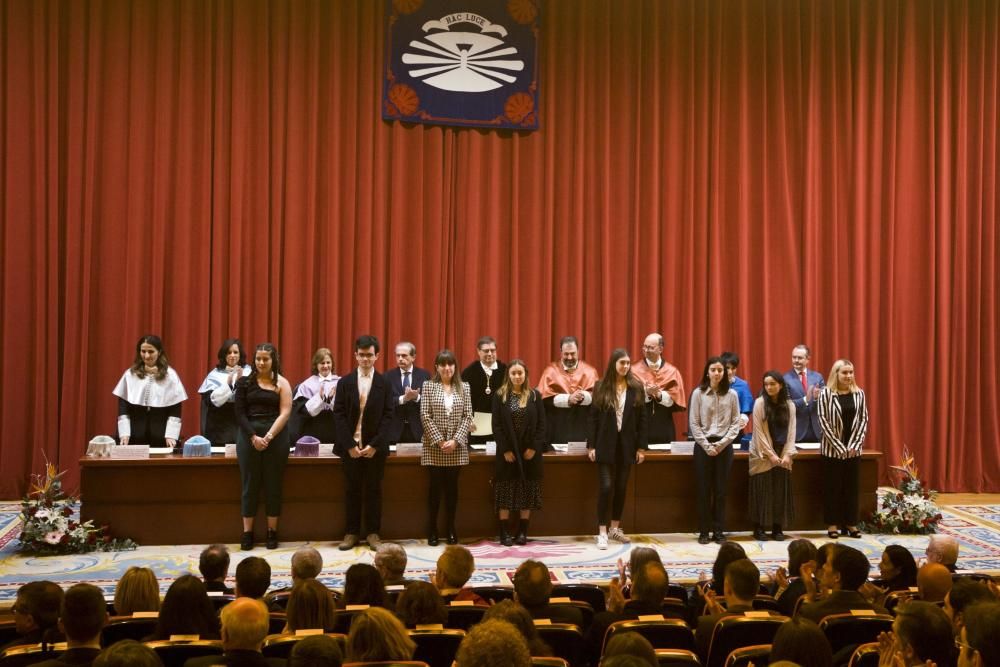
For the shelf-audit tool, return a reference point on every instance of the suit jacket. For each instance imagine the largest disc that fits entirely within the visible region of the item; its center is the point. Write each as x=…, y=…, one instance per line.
x=706, y=626
x=804, y=414
x=508, y=439
x=408, y=412
x=79, y=657
x=832, y=421
x=838, y=602
x=236, y=658
x=218, y=587
x=603, y=434
x=440, y=426
x=376, y=421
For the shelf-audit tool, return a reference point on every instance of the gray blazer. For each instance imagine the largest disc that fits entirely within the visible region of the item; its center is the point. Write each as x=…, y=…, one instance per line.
x=440, y=426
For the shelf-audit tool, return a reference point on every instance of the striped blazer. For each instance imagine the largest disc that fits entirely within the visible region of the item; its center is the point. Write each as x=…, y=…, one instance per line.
x=832, y=423
x=440, y=426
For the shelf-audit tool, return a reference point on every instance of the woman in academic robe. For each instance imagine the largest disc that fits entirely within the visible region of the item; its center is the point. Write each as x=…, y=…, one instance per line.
x=519, y=431
x=150, y=395
x=312, y=407
x=218, y=394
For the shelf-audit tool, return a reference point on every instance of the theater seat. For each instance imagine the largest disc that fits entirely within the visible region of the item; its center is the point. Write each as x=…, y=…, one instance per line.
x=541, y=661
x=733, y=632
x=565, y=640
x=388, y=663
x=127, y=627
x=675, y=657
x=589, y=593
x=464, y=617
x=176, y=653
x=495, y=593
x=437, y=647
x=666, y=633
x=849, y=630
x=29, y=654
x=749, y=655
x=281, y=645
x=865, y=655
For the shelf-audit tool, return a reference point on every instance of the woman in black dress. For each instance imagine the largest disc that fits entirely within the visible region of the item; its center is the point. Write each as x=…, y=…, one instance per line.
x=519, y=430
x=263, y=405
x=150, y=395
x=218, y=393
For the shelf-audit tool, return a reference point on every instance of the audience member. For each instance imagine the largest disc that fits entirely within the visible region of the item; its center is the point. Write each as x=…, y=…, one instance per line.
x=36, y=614
x=310, y=607
x=649, y=586
x=377, y=635
x=964, y=593
x=307, y=563
x=943, y=549
x=933, y=582
x=631, y=644
x=363, y=585
x=791, y=585
x=980, y=638
x=253, y=577
x=214, y=567
x=128, y=653
x=740, y=586
x=897, y=569
x=518, y=616
x=921, y=632
x=316, y=651
x=533, y=588
x=245, y=624
x=493, y=643
x=390, y=561
x=455, y=566
x=843, y=573
x=137, y=590
x=421, y=604
x=82, y=617
x=728, y=552
x=799, y=640
x=186, y=610
x=637, y=557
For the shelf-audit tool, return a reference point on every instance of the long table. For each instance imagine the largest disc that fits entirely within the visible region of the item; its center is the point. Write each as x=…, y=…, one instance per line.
x=175, y=500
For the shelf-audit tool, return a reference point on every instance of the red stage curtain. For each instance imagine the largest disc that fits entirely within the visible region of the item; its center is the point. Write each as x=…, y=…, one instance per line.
x=738, y=175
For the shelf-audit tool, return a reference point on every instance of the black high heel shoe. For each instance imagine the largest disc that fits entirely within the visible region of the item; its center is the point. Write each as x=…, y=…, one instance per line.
x=452, y=539
x=854, y=533
x=832, y=534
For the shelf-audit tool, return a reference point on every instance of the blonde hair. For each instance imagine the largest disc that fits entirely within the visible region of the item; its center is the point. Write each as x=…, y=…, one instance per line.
x=318, y=357
x=833, y=381
x=507, y=387
x=137, y=590
x=376, y=636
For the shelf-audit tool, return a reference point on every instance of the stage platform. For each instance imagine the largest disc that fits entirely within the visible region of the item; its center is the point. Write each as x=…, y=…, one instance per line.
x=174, y=500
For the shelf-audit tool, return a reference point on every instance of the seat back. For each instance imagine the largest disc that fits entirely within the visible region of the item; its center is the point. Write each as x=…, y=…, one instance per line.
x=281, y=645
x=586, y=611
x=749, y=655
x=277, y=622
x=278, y=600
x=589, y=593
x=565, y=640
x=666, y=633
x=29, y=654
x=540, y=661
x=343, y=619
x=220, y=601
x=896, y=598
x=127, y=627
x=733, y=632
x=174, y=653
x=766, y=603
x=495, y=593
x=464, y=617
x=676, y=657
x=388, y=663
x=865, y=655
x=678, y=591
x=849, y=630
x=437, y=647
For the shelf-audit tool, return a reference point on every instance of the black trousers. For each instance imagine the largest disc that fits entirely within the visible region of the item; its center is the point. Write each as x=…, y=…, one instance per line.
x=363, y=491
x=443, y=482
x=266, y=468
x=712, y=473
x=612, y=476
x=840, y=490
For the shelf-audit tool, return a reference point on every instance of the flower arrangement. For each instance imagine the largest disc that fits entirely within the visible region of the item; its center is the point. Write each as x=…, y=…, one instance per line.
x=909, y=508
x=48, y=523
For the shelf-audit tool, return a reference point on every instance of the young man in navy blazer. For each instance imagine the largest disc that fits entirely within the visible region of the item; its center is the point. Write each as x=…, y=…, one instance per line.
x=804, y=386
x=405, y=381
x=362, y=415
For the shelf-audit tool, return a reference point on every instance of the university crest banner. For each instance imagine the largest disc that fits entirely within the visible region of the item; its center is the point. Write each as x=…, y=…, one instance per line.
x=462, y=62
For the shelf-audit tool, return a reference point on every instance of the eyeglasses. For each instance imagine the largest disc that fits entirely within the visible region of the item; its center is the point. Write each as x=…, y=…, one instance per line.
x=650, y=348
x=959, y=644
x=486, y=350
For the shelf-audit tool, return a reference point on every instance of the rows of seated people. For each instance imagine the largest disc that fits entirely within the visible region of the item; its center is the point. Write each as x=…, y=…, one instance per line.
x=821, y=610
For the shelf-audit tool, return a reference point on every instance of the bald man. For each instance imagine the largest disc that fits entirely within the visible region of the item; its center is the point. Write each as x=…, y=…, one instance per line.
x=244, y=626
x=664, y=386
x=933, y=582
x=943, y=549
x=566, y=387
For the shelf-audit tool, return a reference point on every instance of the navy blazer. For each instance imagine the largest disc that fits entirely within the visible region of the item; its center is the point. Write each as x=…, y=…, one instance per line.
x=377, y=420
x=603, y=432
x=408, y=411
x=804, y=414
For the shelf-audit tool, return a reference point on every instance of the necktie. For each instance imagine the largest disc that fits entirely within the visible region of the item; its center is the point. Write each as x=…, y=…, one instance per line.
x=406, y=380
x=805, y=387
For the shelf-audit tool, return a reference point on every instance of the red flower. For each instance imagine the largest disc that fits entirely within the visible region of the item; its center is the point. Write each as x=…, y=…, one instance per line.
x=67, y=511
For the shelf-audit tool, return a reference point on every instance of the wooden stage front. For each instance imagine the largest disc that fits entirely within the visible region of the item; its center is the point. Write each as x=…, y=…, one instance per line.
x=175, y=500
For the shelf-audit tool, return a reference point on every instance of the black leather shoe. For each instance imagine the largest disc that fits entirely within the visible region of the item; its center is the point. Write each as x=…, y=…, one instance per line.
x=777, y=535
x=719, y=537
x=272, y=539
x=432, y=540
x=522, y=533
x=451, y=537
x=703, y=539
x=832, y=534
x=854, y=533
x=505, y=538
x=246, y=541
x=760, y=535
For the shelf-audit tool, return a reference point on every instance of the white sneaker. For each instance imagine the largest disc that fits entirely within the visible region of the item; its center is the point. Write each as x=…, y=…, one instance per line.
x=602, y=541
x=618, y=535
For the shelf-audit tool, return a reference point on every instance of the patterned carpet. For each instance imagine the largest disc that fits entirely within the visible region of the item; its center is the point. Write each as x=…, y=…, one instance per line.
x=571, y=559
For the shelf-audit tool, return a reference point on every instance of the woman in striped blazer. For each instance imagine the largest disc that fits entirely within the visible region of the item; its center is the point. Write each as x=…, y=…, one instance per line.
x=446, y=414
x=843, y=418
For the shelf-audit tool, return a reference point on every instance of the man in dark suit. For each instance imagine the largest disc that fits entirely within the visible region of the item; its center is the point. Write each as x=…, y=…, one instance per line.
x=532, y=590
x=214, y=566
x=405, y=382
x=804, y=386
x=844, y=572
x=82, y=617
x=362, y=415
x=485, y=376
x=244, y=627
x=36, y=614
x=740, y=586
